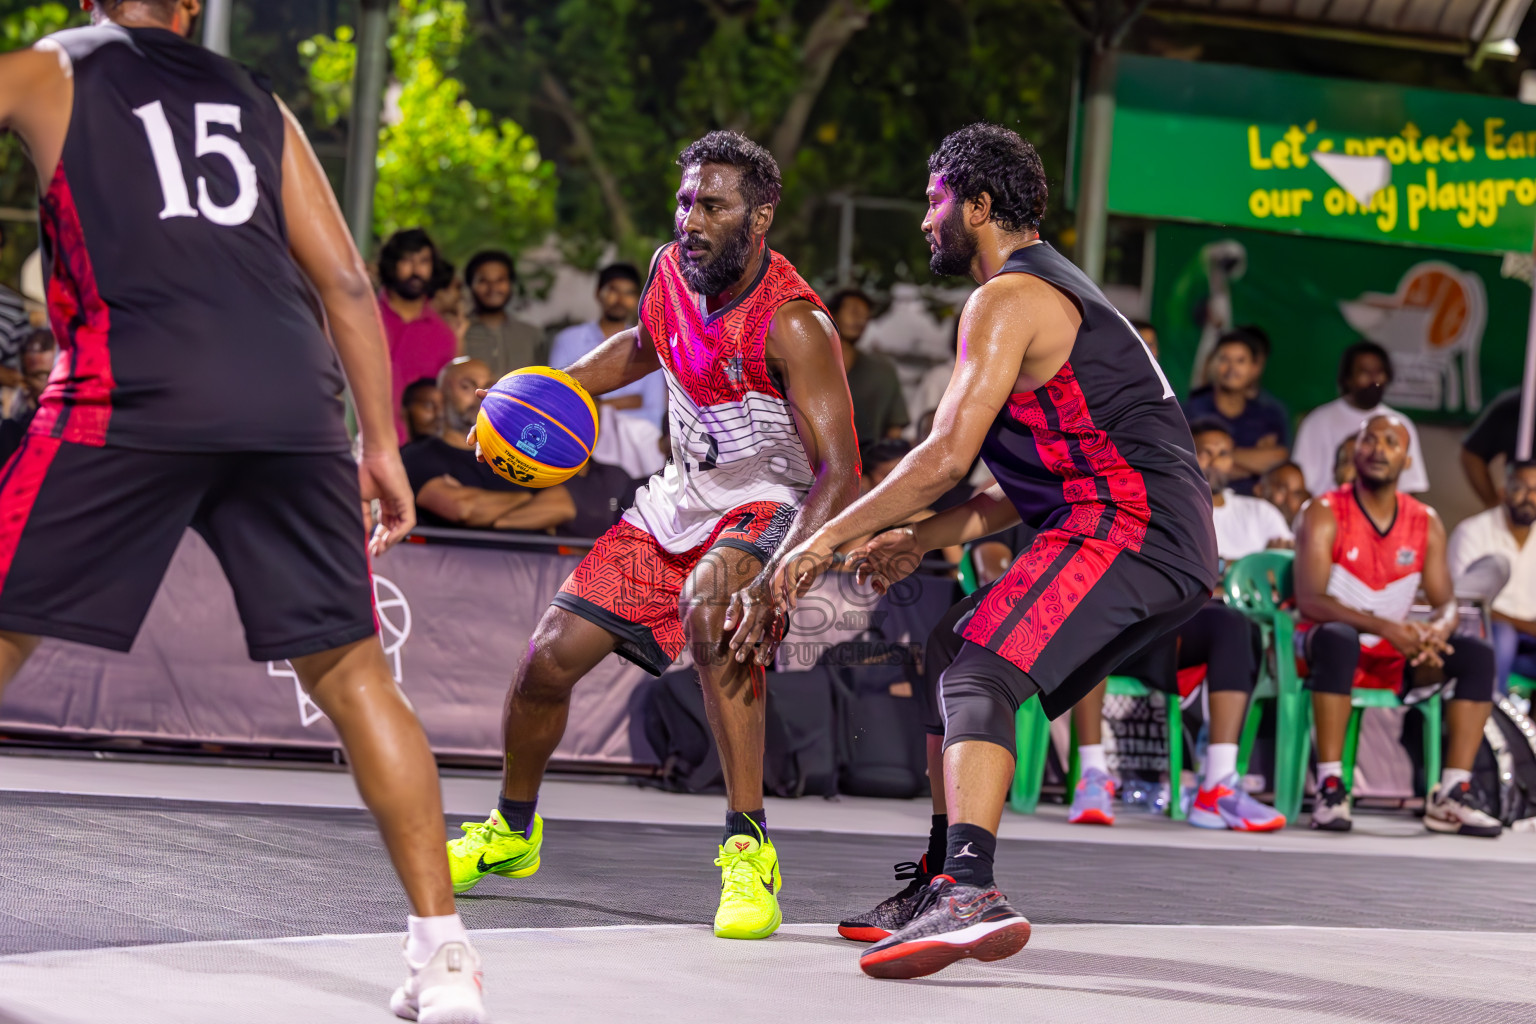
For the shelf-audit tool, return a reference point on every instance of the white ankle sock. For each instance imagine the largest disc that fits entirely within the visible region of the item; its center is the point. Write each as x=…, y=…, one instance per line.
x=1328, y=769
x=426, y=935
x=1453, y=777
x=1092, y=756
x=1220, y=761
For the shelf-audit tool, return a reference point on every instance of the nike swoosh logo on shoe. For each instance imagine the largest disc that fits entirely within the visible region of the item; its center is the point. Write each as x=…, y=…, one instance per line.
x=483, y=866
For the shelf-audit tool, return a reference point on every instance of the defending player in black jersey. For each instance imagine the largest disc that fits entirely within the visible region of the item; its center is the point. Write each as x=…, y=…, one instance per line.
x=1062, y=398
x=187, y=226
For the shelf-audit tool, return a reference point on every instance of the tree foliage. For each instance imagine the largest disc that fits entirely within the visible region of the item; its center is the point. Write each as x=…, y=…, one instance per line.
x=468, y=177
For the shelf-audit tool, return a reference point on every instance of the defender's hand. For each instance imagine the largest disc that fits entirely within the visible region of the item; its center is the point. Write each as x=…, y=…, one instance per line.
x=887, y=559
x=799, y=569
x=474, y=441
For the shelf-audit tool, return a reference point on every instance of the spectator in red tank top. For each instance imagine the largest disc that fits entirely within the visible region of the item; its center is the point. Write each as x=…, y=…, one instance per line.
x=1362, y=553
x=420, y=344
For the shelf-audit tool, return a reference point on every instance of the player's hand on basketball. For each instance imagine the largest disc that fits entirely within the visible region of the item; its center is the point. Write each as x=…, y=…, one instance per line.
x=382, y=477
x=473, y=436
x=887, y=558
x=799, y=569
x=754, y=622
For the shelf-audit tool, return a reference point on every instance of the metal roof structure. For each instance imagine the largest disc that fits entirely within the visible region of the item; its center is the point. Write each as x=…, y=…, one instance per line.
x=1476, y=29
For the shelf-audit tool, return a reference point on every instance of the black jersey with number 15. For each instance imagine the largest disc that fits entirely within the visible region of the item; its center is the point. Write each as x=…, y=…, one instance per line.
x=183, y=322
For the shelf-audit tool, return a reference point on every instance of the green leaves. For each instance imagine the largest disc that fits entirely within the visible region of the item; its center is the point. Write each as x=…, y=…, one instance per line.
x=469, y=178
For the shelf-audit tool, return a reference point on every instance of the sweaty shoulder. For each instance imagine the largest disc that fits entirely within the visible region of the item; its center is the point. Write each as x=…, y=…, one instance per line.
x=798, y=323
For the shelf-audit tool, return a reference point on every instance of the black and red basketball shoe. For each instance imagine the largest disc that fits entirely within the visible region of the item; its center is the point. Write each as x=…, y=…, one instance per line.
x=893, y=913
x=952, y=922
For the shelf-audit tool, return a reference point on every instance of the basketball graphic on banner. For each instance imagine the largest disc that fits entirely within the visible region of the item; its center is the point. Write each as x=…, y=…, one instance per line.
x=537, y=426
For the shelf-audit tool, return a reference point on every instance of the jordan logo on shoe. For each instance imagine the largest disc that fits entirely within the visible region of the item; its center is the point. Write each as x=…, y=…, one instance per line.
x=966, y=851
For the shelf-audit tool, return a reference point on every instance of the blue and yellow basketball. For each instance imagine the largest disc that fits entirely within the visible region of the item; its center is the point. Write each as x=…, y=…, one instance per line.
x=537, y=426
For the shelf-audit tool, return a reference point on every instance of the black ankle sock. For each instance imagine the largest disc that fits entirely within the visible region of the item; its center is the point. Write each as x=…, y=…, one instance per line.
x=938, y=843
x=739, y=823
x=968, y=858
x=519, y=813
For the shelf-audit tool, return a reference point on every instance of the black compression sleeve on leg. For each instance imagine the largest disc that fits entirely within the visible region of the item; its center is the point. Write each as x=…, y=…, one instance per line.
x=1333, y=651
x=979, y=694
x=1473, y=665
x=1231, y=663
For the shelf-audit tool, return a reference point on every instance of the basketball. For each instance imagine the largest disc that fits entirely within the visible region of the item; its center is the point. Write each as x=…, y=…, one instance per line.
x=537, y=426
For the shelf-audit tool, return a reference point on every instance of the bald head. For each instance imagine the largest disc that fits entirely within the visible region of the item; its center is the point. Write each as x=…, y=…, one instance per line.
x=459, y=381
x=1381, y=451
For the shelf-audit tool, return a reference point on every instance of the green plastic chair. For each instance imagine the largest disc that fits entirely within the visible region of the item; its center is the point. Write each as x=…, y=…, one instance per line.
x=1433, y=712
x=1258, y=585
x=1034, y=738
x=1523, y=686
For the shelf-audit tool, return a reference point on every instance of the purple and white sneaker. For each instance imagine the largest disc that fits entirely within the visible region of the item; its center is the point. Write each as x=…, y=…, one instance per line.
x=1225, y=805
x=1094, y=801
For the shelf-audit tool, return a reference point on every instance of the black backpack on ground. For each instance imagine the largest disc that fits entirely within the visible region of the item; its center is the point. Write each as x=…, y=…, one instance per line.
x=1505, y=769
x=800, y=749
x=882, y=745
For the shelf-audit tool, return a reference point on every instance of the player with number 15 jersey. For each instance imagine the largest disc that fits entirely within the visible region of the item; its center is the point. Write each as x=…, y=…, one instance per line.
x=195, y=255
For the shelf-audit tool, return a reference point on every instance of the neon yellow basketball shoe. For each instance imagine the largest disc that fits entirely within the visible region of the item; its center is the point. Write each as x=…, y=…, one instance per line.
x=489, y=848
x=749, y=888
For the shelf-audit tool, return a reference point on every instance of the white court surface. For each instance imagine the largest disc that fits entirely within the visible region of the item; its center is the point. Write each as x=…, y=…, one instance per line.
x=1093, y=974
x=1396, y=833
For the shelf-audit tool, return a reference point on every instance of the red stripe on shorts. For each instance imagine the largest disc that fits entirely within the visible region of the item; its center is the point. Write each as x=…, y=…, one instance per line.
x=19, y=485
x=77, y=403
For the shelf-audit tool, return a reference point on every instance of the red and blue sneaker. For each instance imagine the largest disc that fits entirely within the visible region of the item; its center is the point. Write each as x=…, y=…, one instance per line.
x=953, y=922
x=1094, y=801
x=1225, y=805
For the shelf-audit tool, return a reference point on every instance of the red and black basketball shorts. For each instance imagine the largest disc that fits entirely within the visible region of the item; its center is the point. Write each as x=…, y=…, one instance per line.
x=86, y=534
x=630, y=585
x=1072, y=609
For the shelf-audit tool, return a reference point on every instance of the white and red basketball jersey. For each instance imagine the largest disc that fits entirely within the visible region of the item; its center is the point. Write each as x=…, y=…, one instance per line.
x=1378, y=572
x=734, y=438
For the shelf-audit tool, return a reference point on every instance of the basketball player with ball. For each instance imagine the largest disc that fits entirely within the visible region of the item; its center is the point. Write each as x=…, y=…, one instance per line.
x=763, y=454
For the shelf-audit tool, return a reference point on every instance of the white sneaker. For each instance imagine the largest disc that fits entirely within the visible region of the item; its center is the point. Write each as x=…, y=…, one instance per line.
x=1456, y=812
x=444, y=990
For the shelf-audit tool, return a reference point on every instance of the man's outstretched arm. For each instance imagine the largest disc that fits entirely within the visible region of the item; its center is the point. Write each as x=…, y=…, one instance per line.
x=322, y=246
x=994, y=336
x=621, y=360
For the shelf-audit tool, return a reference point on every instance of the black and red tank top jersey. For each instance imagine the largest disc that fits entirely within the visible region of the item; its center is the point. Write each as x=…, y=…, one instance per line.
x=183, y=322
x=1103, y=449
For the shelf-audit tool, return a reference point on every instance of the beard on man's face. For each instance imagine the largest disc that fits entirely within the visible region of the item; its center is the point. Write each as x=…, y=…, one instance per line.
x=952, y=255
x=461, y=420
x=1216, y=479
x=1523, y=514
x=721, y=267
x=412, y=287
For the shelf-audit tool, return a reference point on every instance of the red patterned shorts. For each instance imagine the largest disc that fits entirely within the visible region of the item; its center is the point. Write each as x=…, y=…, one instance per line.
x=630, y=585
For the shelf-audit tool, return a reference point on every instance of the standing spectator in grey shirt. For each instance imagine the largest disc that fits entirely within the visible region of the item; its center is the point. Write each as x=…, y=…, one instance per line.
x=494, y=336
x=618, y=297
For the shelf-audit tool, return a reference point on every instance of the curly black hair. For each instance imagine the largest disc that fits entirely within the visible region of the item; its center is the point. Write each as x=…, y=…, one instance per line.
x=761, y=183
x=990, y=158
x=1355, y=351
x=397, y=247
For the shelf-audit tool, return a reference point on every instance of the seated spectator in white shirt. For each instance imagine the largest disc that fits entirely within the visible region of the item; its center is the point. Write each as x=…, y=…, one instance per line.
x=618, y=296
x=1365, y=371
x=1244, y=524
x=453, y=488
x=1502, y=535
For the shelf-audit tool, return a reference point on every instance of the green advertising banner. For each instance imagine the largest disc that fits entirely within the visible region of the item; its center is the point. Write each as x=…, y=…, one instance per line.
x=1455, y=326
x=1239, y=146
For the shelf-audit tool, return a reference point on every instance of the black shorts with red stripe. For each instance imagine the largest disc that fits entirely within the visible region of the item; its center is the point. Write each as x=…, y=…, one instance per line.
x=1071, y=609
x=86, y=534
